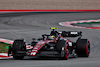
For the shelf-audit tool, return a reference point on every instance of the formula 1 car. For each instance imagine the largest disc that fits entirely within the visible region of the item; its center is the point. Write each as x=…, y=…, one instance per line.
x=56, y=44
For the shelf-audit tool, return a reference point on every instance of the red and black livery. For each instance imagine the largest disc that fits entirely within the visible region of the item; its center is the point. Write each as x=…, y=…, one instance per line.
x=60, y=46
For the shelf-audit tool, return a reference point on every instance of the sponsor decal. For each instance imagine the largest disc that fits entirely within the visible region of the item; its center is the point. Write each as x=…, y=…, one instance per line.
x=37, y=47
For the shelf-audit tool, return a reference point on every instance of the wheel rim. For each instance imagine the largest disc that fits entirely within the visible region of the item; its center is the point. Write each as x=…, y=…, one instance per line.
x=66, y=53
x=88, y=48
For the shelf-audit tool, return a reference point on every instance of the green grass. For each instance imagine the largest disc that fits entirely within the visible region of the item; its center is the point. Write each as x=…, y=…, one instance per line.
x=3, y=47
x=89, y=23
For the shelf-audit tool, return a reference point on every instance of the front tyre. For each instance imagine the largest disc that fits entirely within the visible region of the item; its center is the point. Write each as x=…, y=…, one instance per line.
x=18, y=45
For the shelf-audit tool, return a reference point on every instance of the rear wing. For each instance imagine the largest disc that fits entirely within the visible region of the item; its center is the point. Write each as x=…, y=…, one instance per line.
x=71, y=33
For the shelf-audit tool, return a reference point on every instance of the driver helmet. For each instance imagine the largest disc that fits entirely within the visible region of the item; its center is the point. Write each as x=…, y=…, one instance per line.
x=51, y=37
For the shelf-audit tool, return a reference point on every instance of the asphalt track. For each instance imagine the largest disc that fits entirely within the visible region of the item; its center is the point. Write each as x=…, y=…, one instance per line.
x=30, y=25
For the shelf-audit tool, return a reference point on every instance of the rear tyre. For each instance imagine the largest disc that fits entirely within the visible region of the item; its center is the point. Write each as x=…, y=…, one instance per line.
x=62, y=48
x=18, y=45
x=83, y=48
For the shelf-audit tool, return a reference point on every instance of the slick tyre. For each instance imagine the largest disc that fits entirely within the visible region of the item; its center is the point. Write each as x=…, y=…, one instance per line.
x=18, y=45
x=62, y=48
x=83, y=48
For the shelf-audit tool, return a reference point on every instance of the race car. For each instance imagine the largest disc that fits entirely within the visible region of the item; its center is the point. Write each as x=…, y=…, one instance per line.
x=56, y=44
